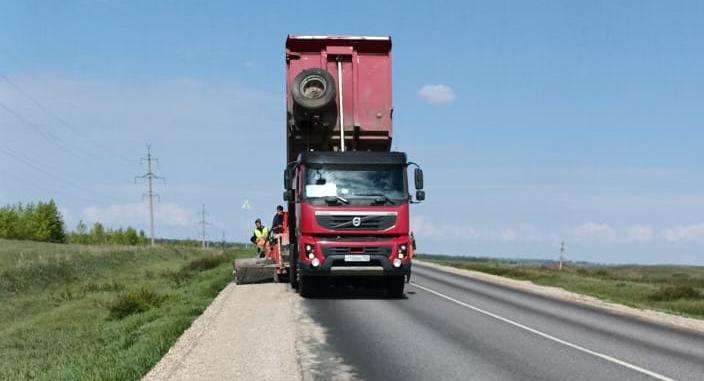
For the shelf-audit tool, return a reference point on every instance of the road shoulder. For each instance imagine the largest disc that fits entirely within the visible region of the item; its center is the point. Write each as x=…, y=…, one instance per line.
x=247, y=333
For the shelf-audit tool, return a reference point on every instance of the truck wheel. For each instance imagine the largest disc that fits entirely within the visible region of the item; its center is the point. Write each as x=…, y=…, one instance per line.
x=313, y=89
x=306, y=286
x=394, y=286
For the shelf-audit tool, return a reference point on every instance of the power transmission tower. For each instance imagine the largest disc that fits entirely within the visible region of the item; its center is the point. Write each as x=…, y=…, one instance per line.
x=203, y=223
x=150, y=176
x=562, y=254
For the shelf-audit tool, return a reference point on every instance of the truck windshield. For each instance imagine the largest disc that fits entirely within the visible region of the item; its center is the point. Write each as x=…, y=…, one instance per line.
x=383, y=185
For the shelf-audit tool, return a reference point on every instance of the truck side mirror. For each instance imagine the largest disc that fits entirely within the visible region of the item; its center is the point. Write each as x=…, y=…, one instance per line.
x=420, y=195
x=418, y=178
x=288, y=195
x=287, y=179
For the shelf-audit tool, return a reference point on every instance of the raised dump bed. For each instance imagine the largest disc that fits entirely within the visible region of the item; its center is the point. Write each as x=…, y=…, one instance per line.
x=338, y=94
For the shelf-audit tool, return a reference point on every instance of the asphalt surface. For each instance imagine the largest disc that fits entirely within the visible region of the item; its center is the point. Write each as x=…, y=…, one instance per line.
x=450, y=327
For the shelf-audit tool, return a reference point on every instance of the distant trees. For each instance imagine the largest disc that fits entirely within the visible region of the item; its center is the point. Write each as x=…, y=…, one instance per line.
x=98, y=235
x=43, y=222
x=36, y=222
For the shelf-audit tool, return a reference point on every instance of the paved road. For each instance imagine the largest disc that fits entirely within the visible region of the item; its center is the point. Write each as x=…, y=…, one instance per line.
x=451, y=327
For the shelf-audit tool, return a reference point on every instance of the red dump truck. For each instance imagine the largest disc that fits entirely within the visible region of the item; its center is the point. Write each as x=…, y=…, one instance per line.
x=347, y=192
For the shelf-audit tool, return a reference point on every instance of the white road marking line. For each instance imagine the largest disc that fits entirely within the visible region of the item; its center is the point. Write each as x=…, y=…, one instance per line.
x=547, y=336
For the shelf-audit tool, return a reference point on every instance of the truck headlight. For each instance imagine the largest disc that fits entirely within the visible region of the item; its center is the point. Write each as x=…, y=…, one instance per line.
x=402, y=251
x=310, y=251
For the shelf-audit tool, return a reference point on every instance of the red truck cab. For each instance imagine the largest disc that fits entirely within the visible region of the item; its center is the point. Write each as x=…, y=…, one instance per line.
x=348, y=195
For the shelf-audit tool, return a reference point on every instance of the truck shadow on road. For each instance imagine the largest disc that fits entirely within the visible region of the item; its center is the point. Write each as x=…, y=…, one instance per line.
x=354, y=290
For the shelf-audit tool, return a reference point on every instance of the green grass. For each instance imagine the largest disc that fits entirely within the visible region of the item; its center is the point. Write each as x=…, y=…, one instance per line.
x=673, y=289
x=75, y=312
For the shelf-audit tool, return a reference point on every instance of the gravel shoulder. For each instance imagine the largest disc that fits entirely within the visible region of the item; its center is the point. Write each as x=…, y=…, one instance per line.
x=253, y=332
x=247, y=333
x=656, y=317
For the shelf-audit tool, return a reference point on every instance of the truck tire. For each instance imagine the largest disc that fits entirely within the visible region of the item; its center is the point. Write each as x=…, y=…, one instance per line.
x=306, y=286
x=394, y=286
x=313, y=89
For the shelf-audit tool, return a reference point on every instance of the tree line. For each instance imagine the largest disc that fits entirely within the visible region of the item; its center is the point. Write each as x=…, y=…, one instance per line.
x=99, y=235
x=43, y=222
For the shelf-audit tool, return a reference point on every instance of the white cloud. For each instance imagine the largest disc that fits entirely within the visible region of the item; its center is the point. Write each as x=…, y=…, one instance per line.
x=137, y=214
x=422, y=228
x=437, y=94
x=599, y=241
x=463, y=232
x=510, y=234
x=685, y=233
x=639, y=234
x=591, y=232
x=518, y=233
x=526, y=233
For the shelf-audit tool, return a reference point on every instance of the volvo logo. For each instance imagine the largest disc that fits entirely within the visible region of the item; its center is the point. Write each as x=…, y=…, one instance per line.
x=356, y=221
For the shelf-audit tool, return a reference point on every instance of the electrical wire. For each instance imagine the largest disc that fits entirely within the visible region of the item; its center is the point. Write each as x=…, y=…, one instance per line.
x=18, y=156
x=41, y=132
x=50, y=190
x=68, y=126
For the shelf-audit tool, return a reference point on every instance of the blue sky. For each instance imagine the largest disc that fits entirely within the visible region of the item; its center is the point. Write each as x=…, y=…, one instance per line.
x=535, y=122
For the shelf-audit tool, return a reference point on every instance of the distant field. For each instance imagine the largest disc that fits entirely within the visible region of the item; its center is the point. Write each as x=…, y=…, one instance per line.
x=72, y=312
x=673, y=289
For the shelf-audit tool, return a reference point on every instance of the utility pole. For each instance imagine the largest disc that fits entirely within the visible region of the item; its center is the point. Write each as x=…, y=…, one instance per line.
x=562, y=254
x=246, y=206
x=223, y=241
x=203, y=224
x=150, y=176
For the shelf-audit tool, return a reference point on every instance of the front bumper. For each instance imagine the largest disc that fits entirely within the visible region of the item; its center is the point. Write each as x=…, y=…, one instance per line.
x=335, y=265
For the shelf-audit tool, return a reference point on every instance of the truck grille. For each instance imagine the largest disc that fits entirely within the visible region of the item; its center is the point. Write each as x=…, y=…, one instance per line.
x=365, y=222
x=328, y=251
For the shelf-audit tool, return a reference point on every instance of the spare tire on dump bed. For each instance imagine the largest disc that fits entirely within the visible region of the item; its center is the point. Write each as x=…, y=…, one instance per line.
x=313, y=89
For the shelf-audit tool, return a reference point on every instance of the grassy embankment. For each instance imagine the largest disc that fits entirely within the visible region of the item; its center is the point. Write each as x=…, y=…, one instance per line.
x=673, y=289
x=74, y=312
